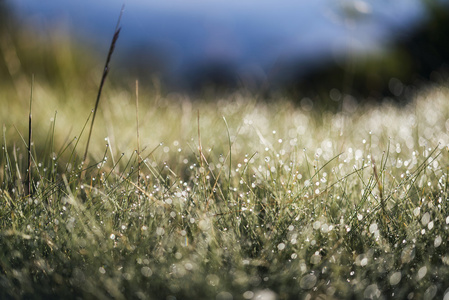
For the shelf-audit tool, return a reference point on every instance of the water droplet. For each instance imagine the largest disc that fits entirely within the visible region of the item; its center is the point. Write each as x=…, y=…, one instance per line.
x=204, y=224
x=248, y=295
x=265, y=294
x=437, y=241
x=308, y=281
x=281, y=246
x=395, y=278
x=188, y=266
x=430, y=293
x=407, y=254
x=425, y=219
x=315, y=259
x=416, y=211
x=224, y=296
x=146, y=271
x=422, y=272
x=372, y=292
x=112, y=236
x=212, y=279
x=446, y=295
x=325, y=228
x=364, y=262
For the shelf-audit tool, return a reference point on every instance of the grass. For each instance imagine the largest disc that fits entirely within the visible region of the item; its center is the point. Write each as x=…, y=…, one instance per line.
x=228, y=199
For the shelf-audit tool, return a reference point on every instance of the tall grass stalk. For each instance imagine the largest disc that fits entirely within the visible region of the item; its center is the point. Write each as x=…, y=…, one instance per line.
x=103, y=79
x=30, y=137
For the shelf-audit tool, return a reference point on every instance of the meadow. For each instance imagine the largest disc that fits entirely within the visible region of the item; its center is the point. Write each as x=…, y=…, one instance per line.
x=227, y=198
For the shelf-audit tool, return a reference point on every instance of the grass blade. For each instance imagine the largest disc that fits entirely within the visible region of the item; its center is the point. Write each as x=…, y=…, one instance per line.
x=103, y=78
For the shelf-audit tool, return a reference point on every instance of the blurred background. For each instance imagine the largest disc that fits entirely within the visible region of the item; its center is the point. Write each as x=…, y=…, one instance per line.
x=321, y=49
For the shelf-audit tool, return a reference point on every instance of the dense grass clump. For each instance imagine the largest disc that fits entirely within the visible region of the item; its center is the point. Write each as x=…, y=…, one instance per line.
x=226, y=199
x=235, y=199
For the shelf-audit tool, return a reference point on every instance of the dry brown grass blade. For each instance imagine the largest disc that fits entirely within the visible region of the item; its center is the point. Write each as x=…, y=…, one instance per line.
x=103, y=78
x=30, y=136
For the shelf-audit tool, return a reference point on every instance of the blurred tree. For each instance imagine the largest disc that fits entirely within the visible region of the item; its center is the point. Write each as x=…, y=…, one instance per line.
x=419, y=58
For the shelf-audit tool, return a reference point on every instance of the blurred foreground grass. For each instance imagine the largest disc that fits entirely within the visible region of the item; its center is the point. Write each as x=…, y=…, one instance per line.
x=230, y=199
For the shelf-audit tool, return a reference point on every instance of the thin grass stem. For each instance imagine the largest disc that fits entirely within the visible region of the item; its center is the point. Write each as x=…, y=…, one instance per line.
x=103, y=78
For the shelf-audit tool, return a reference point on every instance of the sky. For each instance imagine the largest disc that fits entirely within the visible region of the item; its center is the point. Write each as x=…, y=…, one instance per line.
x=246, y=35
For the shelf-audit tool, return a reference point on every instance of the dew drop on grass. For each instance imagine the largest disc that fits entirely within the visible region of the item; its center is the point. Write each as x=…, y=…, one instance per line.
x=315, y=259
x=425, y=219
x=146, y=271
x=160, y=231
x=248, y=295
x=212, y=279
x=422, y=272
x=372, y=292
x=395, y=278
x=325, y=228
x=308, y=281
x=112, y=236
x=224, y=296
x=437, y=241
x=430, y=293
x=446, y=294
x=416, y=211
x=364, y=261
x=204, y=224
x=188, y=266
x=281, y=246
x=407, y=254
x=265, y=294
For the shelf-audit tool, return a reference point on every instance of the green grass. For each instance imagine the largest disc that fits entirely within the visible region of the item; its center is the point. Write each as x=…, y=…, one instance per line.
x=237, y=198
